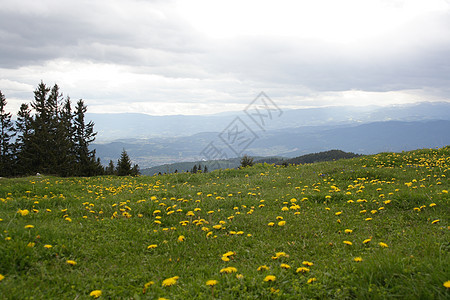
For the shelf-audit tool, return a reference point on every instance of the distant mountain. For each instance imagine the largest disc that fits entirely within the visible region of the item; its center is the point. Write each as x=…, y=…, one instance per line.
x=321, y=156
x=141, y=126
x=368, y=138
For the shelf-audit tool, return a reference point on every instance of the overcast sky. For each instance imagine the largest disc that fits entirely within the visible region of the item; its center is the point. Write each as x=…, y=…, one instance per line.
x=205, y=56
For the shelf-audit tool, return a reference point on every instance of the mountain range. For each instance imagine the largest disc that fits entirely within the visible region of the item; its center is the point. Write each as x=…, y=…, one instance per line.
x=157, y=140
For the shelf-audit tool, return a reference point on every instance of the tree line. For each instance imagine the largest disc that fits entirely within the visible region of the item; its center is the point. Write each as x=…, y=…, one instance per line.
x=48, y=137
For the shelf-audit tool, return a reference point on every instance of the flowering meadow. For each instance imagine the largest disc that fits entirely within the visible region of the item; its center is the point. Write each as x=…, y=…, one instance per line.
x=370, y=227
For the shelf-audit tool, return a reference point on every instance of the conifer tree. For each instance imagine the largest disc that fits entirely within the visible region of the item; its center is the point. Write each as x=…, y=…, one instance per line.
x=6, y=133
x=84, y=135
x=64, y=140
x=124, y=164
x=22, y=148
x=110, y=169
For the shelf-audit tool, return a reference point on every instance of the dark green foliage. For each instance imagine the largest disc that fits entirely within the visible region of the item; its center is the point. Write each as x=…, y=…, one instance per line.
x=6, y=133
x=321, y=156
x=246, y=161
x=50, y=138
x=110, y=169
x=124, y=164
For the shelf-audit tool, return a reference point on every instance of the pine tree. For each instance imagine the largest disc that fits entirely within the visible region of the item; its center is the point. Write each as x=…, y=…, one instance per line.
x=135, y=171
x=6, y=133
x=40, y=142
x=22, y=148
x=124, y=164
x=65, y=165
x=84, y=135
x=110, y=169
x=194, y=169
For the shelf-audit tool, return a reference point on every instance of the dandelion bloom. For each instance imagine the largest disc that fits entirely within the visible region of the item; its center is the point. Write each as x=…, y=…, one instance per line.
x=338, y=213
x=148, y=284
x=96, y=293
x=307, y=263
x=269, y=278
x=229, y=253
x=435, y=221
x=170, y=281
x=2, y=277
x=228, y=270
x=225, y=258
x=211, y=282
x=279, y=254
x=285, y=266
x=23, y=212
x=358, y=259
x=153, y=246
x=311, y=280
x=29, y=226
x=271, y=224
x=348, y=243
x=302, y=270
x=366, y=241
x=48, y=246
x=281, y=223
x=348, y=231
x=31, y=244
x=71, y=262
x=368, y=219
x=447, y=284
x=263, y=268
x=181, y=238
x=383, y=245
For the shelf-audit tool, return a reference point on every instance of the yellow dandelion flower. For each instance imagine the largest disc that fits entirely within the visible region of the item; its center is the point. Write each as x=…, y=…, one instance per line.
x=31, y=244
x=311, y=280
x=348, y=243
x=366, y=241
x=2, y=277
x=181, y=238
x=263, y=268
x=358, y=259
x=96, y=293
x=348, y=231
x=432, y=204
x=271, y=224
x=383, y=245
x=338, y=213
x=153, y=246
x=270, y=278
x=447, y=284
x=281, y=223
x=229, y=253
x=307, y=263
x=435, y=221
x=28, y=226
x=228, y=270
x=48, y=246
x=217, y=226
x=23, y=212
x=211, y=282
x=225, y=258
x=302, y=270
x=368, y=219
x=170, y=281
x=71, y=262
x=285, y=266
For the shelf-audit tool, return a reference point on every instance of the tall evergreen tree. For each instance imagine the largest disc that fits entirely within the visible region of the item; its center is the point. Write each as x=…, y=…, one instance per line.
x=110, y=169
x=84, y=135
x=22, y=145
x=6, y=133
x=40, y=142
x=124, y=164
x=65, y=162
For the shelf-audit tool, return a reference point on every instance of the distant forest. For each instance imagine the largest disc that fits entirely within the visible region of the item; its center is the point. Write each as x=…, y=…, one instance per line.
x=49, y=137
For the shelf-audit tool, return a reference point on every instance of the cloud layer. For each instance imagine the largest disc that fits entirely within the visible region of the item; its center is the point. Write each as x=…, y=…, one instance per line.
x=198, y=57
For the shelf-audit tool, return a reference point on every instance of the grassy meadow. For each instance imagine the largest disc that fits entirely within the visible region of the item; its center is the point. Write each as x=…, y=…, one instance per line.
x=373, y=227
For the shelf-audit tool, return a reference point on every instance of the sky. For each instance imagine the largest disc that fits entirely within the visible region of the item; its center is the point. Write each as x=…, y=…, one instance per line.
x=165, y=57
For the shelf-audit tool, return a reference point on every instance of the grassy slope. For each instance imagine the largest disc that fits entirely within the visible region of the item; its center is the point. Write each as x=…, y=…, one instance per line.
x=106, y=224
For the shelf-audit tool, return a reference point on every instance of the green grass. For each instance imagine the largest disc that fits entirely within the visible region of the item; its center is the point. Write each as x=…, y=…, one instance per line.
x=105, y=225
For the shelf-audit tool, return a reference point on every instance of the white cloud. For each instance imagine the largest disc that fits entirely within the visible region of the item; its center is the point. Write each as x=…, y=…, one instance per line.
x=199, y=56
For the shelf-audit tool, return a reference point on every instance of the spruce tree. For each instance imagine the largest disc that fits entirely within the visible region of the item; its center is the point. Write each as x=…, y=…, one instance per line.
x=110, y=169
x=22, y=147
x=6, y=133
x=84, y=135
x=64, y=140
x=124, y=164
